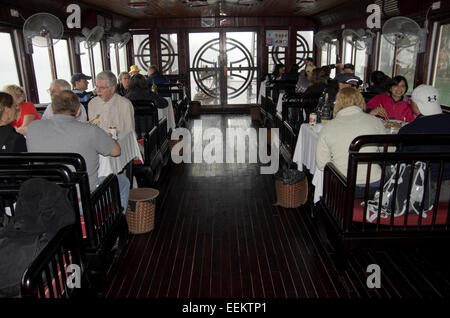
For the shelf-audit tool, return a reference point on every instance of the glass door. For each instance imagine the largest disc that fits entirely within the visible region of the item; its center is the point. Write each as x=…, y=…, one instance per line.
x=223, y=67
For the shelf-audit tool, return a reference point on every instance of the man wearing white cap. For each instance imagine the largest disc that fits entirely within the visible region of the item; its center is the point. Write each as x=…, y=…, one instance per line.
x=430, y=121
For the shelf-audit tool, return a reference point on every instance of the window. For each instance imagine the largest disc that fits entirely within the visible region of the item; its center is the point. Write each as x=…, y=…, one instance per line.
x=86, y=63
x=277, y=55
x=304, y=47
x=43, y=72
x=355, y=53
x=112, y=59
x=169, y=53
x=91, y=61
x=329, y=55
x=441, y=78
x=8, y=62
x=398, y=61
x=141, y=49
x=120, y=53
x=123, y=59
x=62, y=60
x=43, y=61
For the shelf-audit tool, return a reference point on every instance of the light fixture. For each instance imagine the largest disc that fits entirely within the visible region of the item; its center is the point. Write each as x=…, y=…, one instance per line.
x=137, y=4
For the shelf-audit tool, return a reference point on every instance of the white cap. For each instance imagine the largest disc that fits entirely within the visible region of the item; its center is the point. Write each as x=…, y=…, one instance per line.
x=427, y=99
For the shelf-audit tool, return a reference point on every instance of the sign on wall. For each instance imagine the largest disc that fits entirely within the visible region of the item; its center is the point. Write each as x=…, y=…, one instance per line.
x=277, y=37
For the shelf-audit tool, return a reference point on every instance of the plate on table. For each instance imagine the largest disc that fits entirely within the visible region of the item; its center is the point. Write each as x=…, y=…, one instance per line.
x=394, y=124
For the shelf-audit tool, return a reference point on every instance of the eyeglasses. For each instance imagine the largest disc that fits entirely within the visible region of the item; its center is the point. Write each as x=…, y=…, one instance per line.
x=101, y=88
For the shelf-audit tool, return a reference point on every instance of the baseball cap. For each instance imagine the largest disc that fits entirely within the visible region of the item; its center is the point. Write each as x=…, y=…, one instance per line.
x=350, y=66
x=427, y=99
x=79, y=76
x=348, y=78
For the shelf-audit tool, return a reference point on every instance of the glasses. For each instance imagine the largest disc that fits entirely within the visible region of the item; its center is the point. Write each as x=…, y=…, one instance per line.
x=101, y=88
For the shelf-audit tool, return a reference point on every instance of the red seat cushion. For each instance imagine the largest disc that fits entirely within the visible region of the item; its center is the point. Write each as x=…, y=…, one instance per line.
x=140, y=142
x=413, y=219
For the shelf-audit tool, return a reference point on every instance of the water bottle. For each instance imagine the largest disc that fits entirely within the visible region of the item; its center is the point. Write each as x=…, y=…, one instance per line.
x=154, y=88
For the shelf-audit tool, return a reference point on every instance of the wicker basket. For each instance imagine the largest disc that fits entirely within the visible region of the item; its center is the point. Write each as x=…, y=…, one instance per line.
x=141, y=210
x=292, y=195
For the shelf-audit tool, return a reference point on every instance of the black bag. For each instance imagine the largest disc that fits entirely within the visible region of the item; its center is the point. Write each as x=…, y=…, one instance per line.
x=42, y=209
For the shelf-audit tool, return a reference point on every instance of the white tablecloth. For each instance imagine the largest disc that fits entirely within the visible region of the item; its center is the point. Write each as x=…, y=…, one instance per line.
x=262, y=91
x=280, y=104
x=168, y=113
x=305, y=154
x=129, y=150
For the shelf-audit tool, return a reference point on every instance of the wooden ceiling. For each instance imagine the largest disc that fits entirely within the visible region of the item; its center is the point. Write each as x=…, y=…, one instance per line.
x=176, y=8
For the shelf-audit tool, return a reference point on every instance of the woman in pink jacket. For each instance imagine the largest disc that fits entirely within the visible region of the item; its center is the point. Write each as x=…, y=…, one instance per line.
x=394, y=104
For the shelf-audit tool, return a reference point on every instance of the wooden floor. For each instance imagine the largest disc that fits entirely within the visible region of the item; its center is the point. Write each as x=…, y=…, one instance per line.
x=217, y=235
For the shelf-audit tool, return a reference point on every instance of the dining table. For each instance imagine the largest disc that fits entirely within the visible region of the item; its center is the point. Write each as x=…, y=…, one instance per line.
x=168, y=113
x=129, y=150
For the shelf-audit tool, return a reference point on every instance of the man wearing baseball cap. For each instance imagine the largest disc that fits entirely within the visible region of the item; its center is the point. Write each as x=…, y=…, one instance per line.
x=80, y=84
x=431, y=120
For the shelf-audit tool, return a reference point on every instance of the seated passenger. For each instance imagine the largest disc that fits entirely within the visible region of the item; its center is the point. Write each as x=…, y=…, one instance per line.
x=302, y=83
x=394, y=104
x=109, y=109
x=318, y=82
x=66, y=134
x=278, y=71
x=134, y=69
x=10, y=140
x=56, y=87
x=431, y=120
x=154, y=77
x=349, y=121
x=80, y=83
x=378, y=83
x=292, y=75
x=124, y=82
x=25, y=111
x=138, y=91
x=349, y=68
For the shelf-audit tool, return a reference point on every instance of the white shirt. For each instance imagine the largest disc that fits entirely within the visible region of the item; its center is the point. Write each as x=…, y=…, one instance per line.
x=117, y=112
x=48, y=113
x=336, y=136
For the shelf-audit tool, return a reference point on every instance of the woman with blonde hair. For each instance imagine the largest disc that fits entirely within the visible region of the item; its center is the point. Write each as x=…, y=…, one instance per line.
x=349, y=121
x=26, y=112
x=123, y=83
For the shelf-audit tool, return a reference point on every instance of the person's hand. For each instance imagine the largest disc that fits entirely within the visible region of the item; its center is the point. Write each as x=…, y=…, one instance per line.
x=380, y=111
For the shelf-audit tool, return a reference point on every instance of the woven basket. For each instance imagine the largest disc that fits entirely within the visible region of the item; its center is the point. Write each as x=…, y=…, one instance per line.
x=292, y=195
x=141, y=210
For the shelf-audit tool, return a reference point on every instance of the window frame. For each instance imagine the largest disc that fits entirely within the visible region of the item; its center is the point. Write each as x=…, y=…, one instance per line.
x=434, y=57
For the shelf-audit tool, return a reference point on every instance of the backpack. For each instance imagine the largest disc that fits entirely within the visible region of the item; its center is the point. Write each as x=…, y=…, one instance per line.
x=42, y=209
x=396, y=206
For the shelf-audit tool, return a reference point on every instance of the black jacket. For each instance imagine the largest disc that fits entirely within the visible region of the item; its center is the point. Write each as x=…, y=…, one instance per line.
x=146, y=94
x=11, y=141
